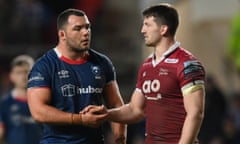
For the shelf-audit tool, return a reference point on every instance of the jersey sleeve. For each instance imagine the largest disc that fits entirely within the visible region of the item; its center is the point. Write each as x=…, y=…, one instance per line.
x=39, y=75
x=192, y=76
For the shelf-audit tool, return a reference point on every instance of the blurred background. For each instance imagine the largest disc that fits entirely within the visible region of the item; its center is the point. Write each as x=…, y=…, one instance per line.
x=209, y=29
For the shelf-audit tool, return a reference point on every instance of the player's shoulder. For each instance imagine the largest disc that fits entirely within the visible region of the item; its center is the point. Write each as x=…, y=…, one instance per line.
x=184, y=55
x=95, y=53
x=46, y=60
x=98, y=56
x=188, y=61
x=47, y=57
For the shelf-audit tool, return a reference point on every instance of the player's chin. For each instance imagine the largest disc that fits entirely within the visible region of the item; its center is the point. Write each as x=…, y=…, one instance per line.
x=149, y=44
x=84, y=47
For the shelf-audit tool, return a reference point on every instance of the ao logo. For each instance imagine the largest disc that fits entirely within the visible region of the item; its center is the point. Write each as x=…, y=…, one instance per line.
x=151, y=86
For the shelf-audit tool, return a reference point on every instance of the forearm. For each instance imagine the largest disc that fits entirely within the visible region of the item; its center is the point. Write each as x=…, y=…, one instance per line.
x=51, y=115
x=191, y=129
x=125, y=114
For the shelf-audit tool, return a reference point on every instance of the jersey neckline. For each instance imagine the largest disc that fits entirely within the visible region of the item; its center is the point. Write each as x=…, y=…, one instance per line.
x=165, y=54
x=70, y=61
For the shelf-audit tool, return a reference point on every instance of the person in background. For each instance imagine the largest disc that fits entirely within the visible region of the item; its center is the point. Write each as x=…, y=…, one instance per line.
x=70, y=77
x=16, y=123
x=170, y=89
x=215, y=108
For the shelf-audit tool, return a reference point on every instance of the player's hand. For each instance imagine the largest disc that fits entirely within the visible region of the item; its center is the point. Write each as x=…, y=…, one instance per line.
x=94, y=109
x=94, y=116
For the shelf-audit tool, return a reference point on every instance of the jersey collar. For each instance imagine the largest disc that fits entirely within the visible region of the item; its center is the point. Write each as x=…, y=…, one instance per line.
x=67, y=60
x=165, y=54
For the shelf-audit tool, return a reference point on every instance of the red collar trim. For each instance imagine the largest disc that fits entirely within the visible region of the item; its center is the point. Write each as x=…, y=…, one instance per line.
x=20, y=99
x=67, y=60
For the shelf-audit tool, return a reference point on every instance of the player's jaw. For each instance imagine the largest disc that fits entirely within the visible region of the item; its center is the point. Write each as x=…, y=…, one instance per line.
x=80, y=45
x=148, y=42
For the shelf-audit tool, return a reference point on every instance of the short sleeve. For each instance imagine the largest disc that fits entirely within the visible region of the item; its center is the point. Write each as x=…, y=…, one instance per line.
x=39, y=75
x=192, y=76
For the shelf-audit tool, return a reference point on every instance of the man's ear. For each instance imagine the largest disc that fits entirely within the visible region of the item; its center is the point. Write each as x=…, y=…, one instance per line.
x=163, y=30
x=61, y=34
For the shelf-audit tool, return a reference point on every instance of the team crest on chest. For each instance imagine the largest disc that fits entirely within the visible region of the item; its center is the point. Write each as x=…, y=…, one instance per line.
x=96, y=71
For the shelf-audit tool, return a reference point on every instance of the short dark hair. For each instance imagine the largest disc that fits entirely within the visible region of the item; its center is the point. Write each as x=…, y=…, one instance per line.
x=63, y=16
x=164, y=14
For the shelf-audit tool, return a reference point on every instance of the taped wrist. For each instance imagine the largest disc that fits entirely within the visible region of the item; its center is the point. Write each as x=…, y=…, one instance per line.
x=76, y=119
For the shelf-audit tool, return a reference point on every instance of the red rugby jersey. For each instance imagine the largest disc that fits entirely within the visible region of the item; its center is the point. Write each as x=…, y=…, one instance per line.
x=163, y=85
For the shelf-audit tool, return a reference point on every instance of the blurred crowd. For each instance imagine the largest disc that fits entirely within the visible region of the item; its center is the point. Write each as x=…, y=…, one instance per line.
x=221, y=124
x=33, y=21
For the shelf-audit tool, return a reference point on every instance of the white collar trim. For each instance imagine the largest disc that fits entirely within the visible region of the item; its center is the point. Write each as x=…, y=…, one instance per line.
x=171, y=49
x=57, y=52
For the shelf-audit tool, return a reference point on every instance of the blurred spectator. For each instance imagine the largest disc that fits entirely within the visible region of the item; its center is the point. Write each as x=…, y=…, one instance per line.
x=215, y=110
x=234, y=109
x=231, y=125
x=230, y=132
x=16, y=123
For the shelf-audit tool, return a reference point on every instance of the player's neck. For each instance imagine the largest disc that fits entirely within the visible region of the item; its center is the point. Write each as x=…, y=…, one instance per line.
x=71, y=54
x=162, y=47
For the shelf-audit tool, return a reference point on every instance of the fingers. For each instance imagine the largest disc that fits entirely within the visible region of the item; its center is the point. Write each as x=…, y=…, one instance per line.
x=98, y=110
x=87, y=109
x=94, y=109
x=94, y=116
x=93, y=120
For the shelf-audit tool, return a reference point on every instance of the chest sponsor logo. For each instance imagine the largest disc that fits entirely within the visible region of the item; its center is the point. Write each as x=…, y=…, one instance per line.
x=151, y=86
x=70, y=90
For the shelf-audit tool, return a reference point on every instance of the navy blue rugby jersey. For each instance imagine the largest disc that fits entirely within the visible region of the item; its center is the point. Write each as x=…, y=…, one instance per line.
x=16, y=119
x=74, y=85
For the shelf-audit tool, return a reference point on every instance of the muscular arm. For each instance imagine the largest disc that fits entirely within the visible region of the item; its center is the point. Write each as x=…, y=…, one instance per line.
x=38, y=101
x=129, y=113
x=194, y=105
x=113, y=99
